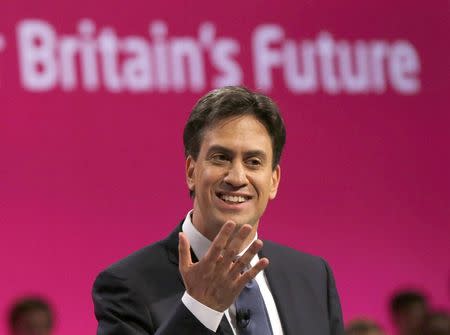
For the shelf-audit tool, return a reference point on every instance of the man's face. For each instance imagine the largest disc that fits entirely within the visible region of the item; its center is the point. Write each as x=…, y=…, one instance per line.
x=410, y=320
x=34, y=322
x=232, y=177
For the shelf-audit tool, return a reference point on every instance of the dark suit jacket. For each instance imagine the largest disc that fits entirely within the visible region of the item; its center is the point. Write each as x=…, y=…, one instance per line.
x=141, y=294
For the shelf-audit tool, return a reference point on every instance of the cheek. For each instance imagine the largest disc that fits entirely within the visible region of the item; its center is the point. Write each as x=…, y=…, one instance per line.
x=209, y=176
x=268, y=183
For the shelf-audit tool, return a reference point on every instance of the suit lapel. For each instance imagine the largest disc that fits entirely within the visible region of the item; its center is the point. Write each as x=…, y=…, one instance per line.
x=279, y=286
x=172, y=246
x=172, y=253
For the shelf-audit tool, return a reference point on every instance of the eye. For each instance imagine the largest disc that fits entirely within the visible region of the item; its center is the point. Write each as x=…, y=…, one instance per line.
x=254, y=162
x=219, y=158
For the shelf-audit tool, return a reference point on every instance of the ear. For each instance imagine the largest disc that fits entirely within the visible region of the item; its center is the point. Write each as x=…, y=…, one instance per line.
x=276, y=174
x=190, y=176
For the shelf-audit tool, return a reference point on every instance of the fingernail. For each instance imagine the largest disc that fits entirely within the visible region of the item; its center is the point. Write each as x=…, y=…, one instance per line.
x=230, y=225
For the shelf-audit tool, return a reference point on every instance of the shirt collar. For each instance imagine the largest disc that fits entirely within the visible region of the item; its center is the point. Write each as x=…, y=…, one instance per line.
x=199, y=243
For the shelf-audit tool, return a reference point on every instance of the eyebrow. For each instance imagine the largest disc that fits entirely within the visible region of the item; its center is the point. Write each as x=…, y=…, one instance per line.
x=250, y=153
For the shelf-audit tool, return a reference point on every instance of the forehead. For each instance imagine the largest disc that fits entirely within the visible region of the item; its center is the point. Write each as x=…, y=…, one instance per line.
x=240, y=131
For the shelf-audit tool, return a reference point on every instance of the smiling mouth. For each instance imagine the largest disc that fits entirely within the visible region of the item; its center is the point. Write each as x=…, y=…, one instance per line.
x=233, y=199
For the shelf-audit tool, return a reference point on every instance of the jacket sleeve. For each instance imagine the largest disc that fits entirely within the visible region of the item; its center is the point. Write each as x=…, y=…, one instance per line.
x=120, y=311
x=334, y=305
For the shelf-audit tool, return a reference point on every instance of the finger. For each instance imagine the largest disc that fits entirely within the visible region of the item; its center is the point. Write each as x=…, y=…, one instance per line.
x=220, y=241
x=251, y=273
x=184, y=252
x=243, y=262
x=236, y=242
x=232, y=250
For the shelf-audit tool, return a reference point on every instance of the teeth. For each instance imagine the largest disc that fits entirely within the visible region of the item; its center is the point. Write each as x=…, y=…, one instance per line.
x=231, y=198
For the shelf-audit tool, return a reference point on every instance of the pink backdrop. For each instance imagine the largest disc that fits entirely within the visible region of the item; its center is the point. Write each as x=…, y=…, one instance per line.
x=91, y=147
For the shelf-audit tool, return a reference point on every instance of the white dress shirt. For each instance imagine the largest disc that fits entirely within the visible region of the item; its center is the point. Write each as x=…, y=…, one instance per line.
x=211, y=318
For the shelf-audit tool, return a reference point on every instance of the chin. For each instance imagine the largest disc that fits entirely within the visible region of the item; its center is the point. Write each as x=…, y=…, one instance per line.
x=240, y=221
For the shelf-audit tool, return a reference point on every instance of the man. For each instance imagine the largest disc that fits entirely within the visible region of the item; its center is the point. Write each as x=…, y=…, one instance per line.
x=31, y=316
x=408, y=311
x=363, y=327
x=437, y=322
x=212, y=274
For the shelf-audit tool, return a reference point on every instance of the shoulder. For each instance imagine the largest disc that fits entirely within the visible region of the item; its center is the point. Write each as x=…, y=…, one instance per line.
x=151, y=258
x=150, y=263
x=277, y=250
x=280, y=255
x=148, y=256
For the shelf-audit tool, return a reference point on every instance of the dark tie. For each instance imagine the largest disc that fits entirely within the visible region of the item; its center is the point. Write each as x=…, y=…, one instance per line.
x=224, y=327
x=251, y=314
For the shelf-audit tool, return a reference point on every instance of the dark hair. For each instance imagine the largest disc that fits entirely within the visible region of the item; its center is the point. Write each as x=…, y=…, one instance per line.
x=233, y=101
x=26, y=305
x=361, y=327
x=402, y=300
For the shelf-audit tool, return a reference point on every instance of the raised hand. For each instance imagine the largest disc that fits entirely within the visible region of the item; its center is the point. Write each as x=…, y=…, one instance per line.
x=218, y=278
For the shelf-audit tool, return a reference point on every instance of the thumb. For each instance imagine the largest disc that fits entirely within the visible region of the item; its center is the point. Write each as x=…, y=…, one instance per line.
x=184, y=253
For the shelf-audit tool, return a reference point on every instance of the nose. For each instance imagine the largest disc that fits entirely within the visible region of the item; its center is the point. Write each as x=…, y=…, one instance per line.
x=236, y=175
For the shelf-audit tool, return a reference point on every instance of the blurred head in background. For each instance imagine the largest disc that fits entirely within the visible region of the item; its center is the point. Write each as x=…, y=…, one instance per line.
x=408, y=310
x=31, y=316
x=363, y=327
